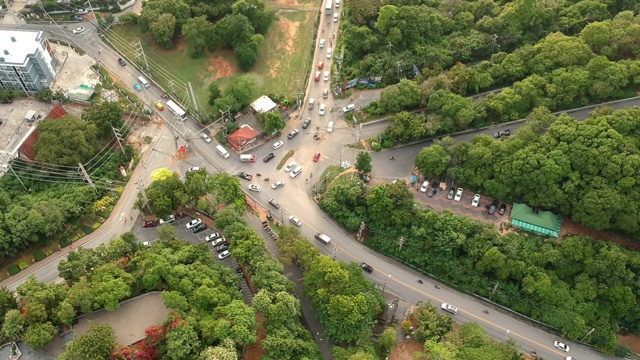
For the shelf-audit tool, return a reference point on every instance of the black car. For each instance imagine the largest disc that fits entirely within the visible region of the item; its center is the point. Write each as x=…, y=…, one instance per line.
x=451, y=194
x=222, y=247
x=366, y=267
x=244, y=175
x=431, y=191
x=503, y=209
x=199, y=228
x=306, y=123
x=268, y=157
x=122, y=62
x=494, y=206
x=274, y=203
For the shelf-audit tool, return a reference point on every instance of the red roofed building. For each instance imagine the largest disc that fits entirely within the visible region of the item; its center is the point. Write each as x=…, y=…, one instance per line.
x=243, y=137
x=25, y=151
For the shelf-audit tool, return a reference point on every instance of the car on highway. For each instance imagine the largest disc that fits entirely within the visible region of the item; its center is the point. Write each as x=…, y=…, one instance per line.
x=199, y=228
x=325, y=77
x=560, y=345
x=244, y=175
x=254, y=187
x=320, y=65
x=193, y=223
x=213, y=236
x=306, y=123
x=295, y=220
x=194, y=168
x=274, y=203
x=322, y=109
x=169, y=219
x=296, y=172
x=458, y=195
x=277, y=184
x=79, y=30
x=206, y=137
x=225, y=254
x=293, y=134
x=277, y=145
x=503, y=209
x=317, y=77
x=452, y=192
x=335, y=17
x=159, y=105
x=366, y=267
x=268, y=157
x=290, y=166
x=449, y=308
x=321, y=43
x=424, y=187
x=330, y=127
x=325, y=93
x=329, y=53
x=316, y=157
x=137, y=87
x=493, y=207
x=476, y=200
x=218, y=241
x=222, y=247
x=122, y=62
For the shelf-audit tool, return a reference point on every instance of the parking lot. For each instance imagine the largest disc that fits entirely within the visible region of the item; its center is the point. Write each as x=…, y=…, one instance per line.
x=151, y=235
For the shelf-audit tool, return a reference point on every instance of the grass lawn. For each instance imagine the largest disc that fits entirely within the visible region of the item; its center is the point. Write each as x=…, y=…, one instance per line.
x=284, y=57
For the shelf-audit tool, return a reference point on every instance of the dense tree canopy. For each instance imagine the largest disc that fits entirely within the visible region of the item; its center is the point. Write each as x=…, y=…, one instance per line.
x=66, y=141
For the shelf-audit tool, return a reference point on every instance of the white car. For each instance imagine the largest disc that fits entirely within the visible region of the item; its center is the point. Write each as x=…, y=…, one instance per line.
x=254, y=187
x=212, y=237
x=206, y=137
x=191, y=224
x=449, y=308
x=325, y=77
x=218, y=241
x=330, y=126
x=194, y=168
x=223, y=255
x=169, y=219
x=146, y=244
x=296, y=172
x=277, y=184
x=321, y=43
x=329, y=53
x=476, y=200
x=424, y=187
x=277, y=145
x=290, y=166
x=458, y=195
x=322, y=109
x=295, y=220
x=348, y=108
x=562, y=346
x=79, y=30
x=335, y=17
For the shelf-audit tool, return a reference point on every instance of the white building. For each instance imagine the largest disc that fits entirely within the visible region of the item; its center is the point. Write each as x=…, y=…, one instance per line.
x=27, y=61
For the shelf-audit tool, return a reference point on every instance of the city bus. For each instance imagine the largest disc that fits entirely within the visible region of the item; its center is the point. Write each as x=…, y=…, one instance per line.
x=329, y=7
x=177, y=110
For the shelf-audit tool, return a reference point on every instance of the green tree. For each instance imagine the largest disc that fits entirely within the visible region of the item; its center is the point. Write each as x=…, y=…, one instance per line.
x=104, y=117
x=66, y=141
x=7, y=299
x=247, y=52
x=196, y=31
x=13, y=325
x=163, y=30
x=225, y=351
x=214, y=92
x=181, y=342
x=38, y=335
x=405, y=95
x=273, y=121
x=387, y=340
x=167, y=232
x=97, y=343
x=433, y=161
x=164, y=196
x=233, y=29
x=242, y=88
x=259, y=14
x=363, y=162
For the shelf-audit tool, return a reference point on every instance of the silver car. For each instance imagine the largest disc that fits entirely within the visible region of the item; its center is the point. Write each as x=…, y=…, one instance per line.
x=295, y=220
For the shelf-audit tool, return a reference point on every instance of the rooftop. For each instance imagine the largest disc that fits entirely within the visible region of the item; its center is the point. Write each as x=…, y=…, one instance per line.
x=542, y=222
x=16, y=45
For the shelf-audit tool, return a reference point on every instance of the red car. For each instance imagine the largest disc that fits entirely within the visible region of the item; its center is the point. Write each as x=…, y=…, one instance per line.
x=316, y=157
x=320, y=65
x=317, y=77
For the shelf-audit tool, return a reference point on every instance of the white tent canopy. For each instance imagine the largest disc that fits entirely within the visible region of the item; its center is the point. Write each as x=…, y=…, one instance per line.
x=263, y=104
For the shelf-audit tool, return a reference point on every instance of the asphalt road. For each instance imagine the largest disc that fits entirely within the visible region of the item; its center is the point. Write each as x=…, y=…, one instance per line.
x=295, y=199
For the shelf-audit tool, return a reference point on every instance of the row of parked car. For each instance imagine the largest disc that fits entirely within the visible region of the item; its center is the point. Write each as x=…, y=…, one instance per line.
x=456, y=195
x=216, y=240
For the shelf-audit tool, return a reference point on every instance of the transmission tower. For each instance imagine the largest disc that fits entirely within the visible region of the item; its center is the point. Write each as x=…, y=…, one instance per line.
x=140, y=56
x=118, y=135
x=85, y=175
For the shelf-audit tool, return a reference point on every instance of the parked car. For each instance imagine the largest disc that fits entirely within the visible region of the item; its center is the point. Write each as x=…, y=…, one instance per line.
x=146, y=244
x=211, y=237
x=254, y=187
x=206, y=137
x=449, y=308
x=169, y=219
x=222, y=247
x=225, y=254
x=295, y=220
x=193, y=223
x=193, y=168
x=293, y=134
x=122, y=62
x=348, y=108
x=274, y=203
x=159, y=105
x=218, y=241
x=562, y=346
x=424, y=187
x=330, y=127
x=316, y=157
x=268, y=157
x=493, y=207
x=290, y=166
x=149, y=223
x=503, y=209
x=277, y=145
x=79, y=30
x=199, y=228
x=364, y=177
x=476, y=200
x=452, y=192
x=432, y=190
x=296, y=172
x=458, y=195
x=277, y=184
x=244, y=175
x=306, y=123
x=366, y=267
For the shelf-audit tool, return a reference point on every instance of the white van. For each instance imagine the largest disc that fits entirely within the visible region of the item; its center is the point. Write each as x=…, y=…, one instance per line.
x=143, y=81
x=247, y=158
x=222, y=151
x=323, y=237
x=337, y=3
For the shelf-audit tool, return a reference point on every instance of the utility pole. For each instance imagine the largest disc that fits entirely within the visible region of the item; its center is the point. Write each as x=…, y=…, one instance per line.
x=140, y=56
x=385, y=283
x=118, y=135
x=400, y=242
x=17, y=177
x=298, y=91
x=360, y=230
x=193, y=99
x=335, y=251
x=172, y=86
x=589, y=333
x=85, y=175
x=144, y=197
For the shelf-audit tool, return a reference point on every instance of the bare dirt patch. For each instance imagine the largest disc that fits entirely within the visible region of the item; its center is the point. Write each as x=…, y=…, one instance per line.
x=404, y=350
x=290, y=30
x=571, y=228
x=631, y=340
x=221, y=67
x=287, y=3
x=254, y=351
x=178, y=46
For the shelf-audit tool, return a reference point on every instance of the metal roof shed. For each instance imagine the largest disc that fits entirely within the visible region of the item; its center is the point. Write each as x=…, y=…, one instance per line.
x=539, y=222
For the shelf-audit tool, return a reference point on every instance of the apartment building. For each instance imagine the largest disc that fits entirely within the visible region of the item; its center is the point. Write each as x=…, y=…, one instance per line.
x=27, y=61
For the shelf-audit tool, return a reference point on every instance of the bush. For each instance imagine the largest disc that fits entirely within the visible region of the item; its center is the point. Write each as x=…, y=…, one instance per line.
x=96, y=225
x=65, y=242
x=128, y=18
x=376, y=146
x=39, y=255
x=387, y=143
x=23, y=265
x=103, y=214
x=48, y=252
x=86, y=229
x=13, y=269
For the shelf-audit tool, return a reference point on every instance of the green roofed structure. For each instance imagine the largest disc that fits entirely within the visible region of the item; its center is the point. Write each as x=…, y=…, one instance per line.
x=539, y=222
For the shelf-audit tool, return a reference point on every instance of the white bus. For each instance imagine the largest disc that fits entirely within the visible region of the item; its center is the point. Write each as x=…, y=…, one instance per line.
x=177, y=110
x=328, y=8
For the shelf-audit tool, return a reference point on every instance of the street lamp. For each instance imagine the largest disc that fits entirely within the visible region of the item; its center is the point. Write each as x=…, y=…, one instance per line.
x=385, y=283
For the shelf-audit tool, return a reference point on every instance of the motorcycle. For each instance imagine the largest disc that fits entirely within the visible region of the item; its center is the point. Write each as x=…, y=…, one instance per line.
x=392, y=158
x=419, y=281
x=266, y=179
x=437, y=286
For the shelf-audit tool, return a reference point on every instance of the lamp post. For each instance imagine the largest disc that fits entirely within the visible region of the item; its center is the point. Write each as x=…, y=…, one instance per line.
x=385, y=283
